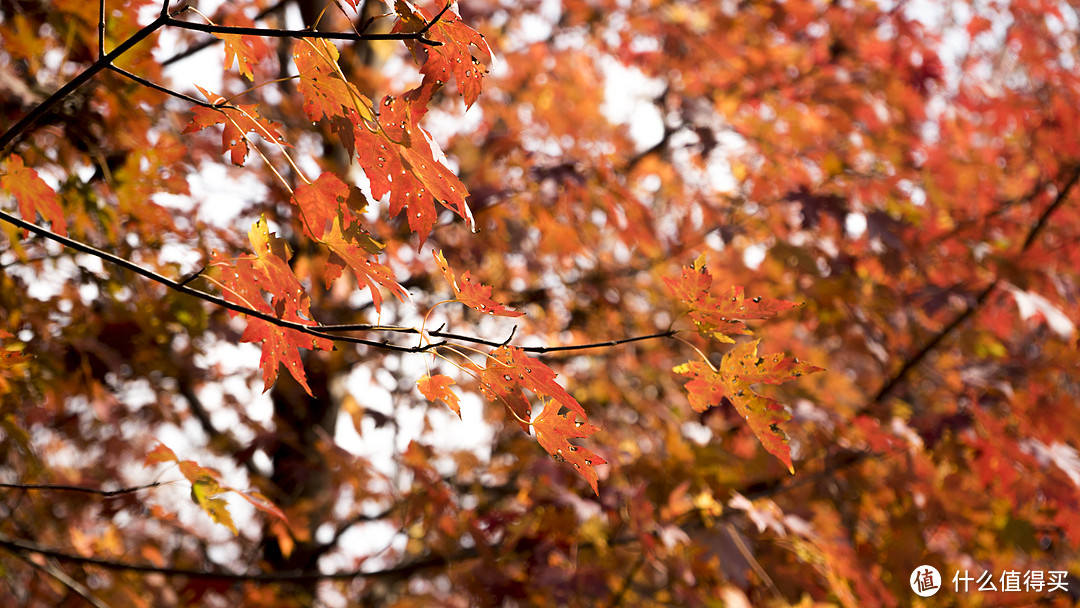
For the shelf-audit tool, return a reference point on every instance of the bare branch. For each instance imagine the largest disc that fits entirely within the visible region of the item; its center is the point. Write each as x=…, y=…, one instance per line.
x=157, y=87
x=83, y=489
x=282, y=33
x=12, y=135
x=202, y=295
x=101, y=29
x=64, y=579
x=395, y=573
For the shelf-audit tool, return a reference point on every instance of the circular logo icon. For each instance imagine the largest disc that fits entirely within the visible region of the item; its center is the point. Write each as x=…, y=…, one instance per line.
x=925, y=581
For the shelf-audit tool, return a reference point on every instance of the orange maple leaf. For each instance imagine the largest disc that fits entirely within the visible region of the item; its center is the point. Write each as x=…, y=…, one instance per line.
x=474, y=295
x=325, y=199
x=437, y=388
x=238, y=122
x=247, y=50
x=720, y=317
x=33, y=195
x=454, y=57
x=553, y=432
x=268, y=271
x=739, y=370
x=351, y=248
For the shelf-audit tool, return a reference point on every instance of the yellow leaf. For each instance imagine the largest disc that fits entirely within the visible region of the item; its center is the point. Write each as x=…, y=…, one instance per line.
x=204, y=492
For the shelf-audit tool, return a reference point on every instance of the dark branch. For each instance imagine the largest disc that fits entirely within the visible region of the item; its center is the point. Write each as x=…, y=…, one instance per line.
x=82, y=489
x=101, y=29
x=184, y=289
x=394, y=573
x=157, y=87
x=12, y=135
x=281, y=33
x=980, y=299
x=437, y=333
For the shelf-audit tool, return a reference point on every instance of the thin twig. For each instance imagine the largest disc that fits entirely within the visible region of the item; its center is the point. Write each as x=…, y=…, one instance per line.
x=188, y=52
x=157, y=87
x=299, y=34
x=980, y=299
x=12, y=135
x=101, y=29
x=64, y=579
x=83, y=489
x=395, y=572
x=311, y=330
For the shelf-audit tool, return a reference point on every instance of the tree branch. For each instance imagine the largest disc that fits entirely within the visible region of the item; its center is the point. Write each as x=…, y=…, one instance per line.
x=188, y=52
x=980, y=299
x=64, y=579
x=202, y=295
x=101, y=29
x=157, y=87
x=396, y=572
x=12, y=135
x=83, y=489
x=282, y=33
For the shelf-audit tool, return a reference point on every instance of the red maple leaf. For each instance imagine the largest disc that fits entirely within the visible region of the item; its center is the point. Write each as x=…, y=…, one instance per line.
x=398, y=156
x=325, y=199
x=351, y=248
x=509, y=370
x=321, y=83
x=739, y=370
x=280, y=346
x=238, y=121
x=33, y=194
x=720, y=317
x=436, y=388
x=406, y=167
x=247, y=50
x=474, y=295
x=553, y=432
x=453, y=57
x=268, y=271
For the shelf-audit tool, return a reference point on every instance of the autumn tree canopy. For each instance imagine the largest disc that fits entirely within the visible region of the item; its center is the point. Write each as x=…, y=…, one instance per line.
x=578, y=303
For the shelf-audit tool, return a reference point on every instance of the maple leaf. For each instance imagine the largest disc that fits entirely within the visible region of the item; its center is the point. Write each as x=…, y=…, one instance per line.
x=397, y=155
x=320, y=82
x=262, y=503
x=474, y=295
x=351, y=248
x=33, y=195
x=280, y=346
x=436, y=388
x=268, y=271
x=739, y=370
x=206, y=487
x=453, y=57
x=720, y=317
x=160, y=453
x=205, y=492
x=407, y=169
x=509, y=370
x=553, y=432
x=238, y=121
x=247, y=50
x=11, y=360
x=325, y=199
